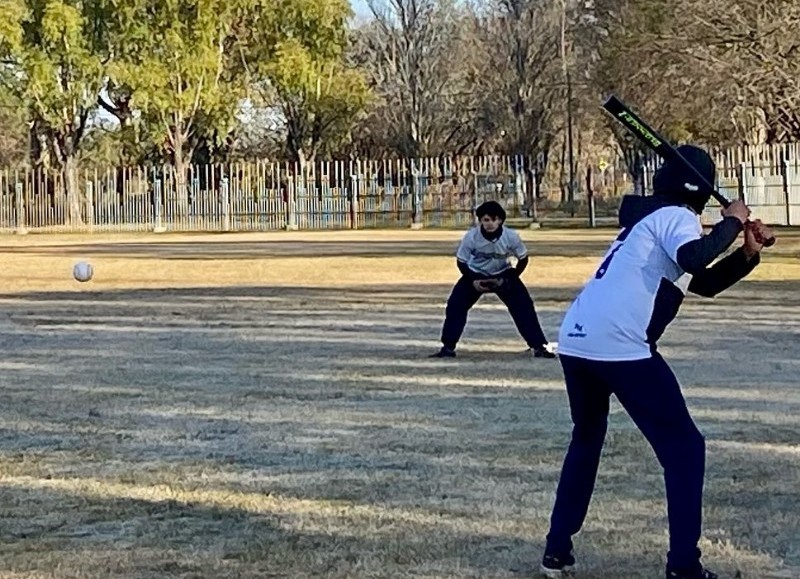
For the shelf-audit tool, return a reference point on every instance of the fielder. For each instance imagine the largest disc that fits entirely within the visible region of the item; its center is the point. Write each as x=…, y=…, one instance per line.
x=607, y=345
x=483, y=258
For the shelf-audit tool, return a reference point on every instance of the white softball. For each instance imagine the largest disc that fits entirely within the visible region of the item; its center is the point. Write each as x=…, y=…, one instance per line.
x=82, y=271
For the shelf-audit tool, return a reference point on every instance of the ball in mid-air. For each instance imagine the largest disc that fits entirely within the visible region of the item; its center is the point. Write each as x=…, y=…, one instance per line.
x=82, y=271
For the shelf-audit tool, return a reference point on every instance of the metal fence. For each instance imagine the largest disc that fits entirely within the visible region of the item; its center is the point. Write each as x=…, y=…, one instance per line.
x=766, y=177
x=441, y=192
x=261, y=196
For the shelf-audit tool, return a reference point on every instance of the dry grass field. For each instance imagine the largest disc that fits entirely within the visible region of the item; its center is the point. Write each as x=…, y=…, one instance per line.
x=261, y=405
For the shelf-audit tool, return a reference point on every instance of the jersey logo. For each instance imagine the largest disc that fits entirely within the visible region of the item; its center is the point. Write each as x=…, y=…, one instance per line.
x=577, y=332
x=691, y=187
x=493, y=255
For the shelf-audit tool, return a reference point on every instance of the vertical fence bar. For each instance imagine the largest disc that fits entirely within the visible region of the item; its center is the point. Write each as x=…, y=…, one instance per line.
x=224, y=200
x=743, y=182
x=19, y=208
x=157, y=201
x=291, y=199
x=785, y=184
x=89, y=204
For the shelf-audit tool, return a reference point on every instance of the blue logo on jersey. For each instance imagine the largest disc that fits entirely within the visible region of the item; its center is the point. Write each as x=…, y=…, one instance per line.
x=578, y=333
x=492, y=255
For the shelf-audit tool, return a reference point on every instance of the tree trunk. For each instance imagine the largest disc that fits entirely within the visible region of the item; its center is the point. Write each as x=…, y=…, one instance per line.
x=635, y=167
x=530, y=186
x=179, y=165
x=563, y=171
x=39, y=145
x=301, y=181
x=74, y=196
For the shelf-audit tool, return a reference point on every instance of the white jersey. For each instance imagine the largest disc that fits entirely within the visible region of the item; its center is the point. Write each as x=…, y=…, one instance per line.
x=490, y=257
x=625, y=305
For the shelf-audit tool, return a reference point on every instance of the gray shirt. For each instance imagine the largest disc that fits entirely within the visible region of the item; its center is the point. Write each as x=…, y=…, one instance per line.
x=490, y=257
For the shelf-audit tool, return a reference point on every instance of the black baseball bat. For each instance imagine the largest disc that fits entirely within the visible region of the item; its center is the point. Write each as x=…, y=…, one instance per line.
x=662, y=147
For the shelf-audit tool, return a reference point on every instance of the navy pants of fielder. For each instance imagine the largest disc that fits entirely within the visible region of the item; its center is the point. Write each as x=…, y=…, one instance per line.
x=650, y=393
x=512, y=293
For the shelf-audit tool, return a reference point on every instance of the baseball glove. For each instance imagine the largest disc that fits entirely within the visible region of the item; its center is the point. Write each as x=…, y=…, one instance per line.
x=492, y=284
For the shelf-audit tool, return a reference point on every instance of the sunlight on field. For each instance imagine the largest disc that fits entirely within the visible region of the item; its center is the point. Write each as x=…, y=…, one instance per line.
x=262, y=405
x=304, y=259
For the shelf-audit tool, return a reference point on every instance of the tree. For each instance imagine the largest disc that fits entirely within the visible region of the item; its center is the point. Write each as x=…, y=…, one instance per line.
x=519, y=82
x=752, y=56
x=614, y=49
x=409, y=52
x=647, y=52
x=319, y=100
x=55, y=56
x=295, y=60
x=520, y=41
x=13, y=129
x=175, y=61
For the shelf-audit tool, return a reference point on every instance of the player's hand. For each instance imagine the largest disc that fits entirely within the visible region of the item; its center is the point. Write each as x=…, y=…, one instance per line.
x=737, y=209
x=755, y=233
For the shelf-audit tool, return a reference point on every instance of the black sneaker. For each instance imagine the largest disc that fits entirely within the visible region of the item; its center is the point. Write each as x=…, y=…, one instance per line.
x=445, y=352
x=555, y=566
x=542, y=353
x=698, y=573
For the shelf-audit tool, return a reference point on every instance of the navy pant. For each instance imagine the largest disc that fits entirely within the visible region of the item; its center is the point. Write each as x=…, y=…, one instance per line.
x=649, y=392
x=512, y=293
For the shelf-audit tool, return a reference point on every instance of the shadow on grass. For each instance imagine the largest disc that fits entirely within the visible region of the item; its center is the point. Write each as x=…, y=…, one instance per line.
x=322, y=395
x=276, y=248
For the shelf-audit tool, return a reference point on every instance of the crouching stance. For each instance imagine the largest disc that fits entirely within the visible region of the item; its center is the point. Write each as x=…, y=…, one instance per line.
x=607, y=345
x=483, y=258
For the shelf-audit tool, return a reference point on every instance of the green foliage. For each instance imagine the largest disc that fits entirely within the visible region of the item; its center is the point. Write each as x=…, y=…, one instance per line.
x=423, y=78
x=13, y=129
x=320, y=98
x=177, y=65
x=56, y=61
x=294, y=56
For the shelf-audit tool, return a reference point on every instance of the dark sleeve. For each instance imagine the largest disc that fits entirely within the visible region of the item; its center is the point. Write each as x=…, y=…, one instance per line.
x=695, y=256
x=723, y=274
x=521, y=265
x=465, y=270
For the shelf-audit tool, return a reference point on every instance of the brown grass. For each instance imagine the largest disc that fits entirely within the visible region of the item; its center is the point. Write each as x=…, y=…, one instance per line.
x=261, y=405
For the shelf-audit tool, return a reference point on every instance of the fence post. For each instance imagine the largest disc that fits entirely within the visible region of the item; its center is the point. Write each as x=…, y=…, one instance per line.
x=520, y=184
x=353, y=199
x=648, y=168
x=475, y=193
x=291, y=208
x=785, y=179
x=535, y=192
x=19, y=204
x=590, y=197
x=90, y=205
x=158, y=225
x=743, y=182
x=225, y=201
x=416, y=179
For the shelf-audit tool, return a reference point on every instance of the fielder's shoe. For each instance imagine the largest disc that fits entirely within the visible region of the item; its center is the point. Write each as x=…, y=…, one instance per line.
x=698, y=573
x=445, y=352
x=556, y=566
x=542, y=352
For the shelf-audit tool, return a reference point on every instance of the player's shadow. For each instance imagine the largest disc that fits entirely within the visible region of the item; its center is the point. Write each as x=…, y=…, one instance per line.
x=198, y=536
x=93, y=528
